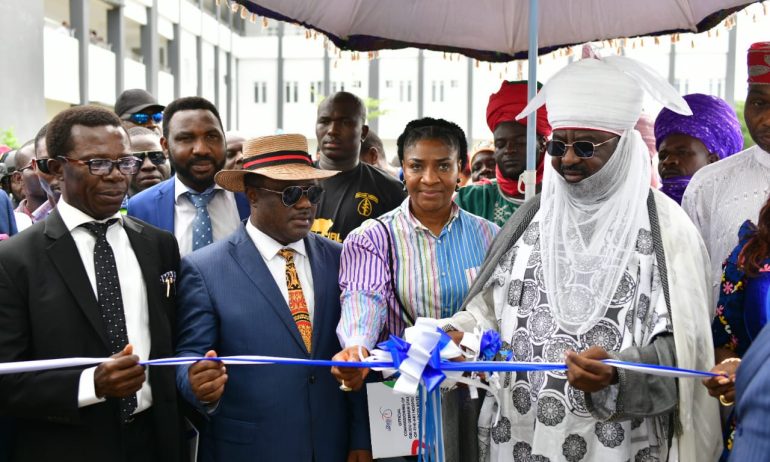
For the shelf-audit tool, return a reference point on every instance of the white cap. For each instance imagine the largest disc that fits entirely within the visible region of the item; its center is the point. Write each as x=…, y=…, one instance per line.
x=603, y=94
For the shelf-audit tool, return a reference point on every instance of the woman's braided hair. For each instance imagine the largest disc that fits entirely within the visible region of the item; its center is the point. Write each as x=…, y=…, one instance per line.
x=429, y=128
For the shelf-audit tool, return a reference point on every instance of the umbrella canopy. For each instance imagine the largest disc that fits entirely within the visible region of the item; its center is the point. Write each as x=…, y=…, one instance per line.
x=491, y=30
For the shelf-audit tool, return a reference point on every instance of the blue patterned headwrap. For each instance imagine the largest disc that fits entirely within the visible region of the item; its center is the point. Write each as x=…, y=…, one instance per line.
x=713, y=122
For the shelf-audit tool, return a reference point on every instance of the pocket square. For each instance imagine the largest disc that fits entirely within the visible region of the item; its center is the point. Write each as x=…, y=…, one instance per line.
x=168, y=279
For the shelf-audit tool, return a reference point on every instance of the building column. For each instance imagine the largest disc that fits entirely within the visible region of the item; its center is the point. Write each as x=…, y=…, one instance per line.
x=116, y=35
x=420, y=83
x=327, y=72
x=199, y=64
x=150, y=52
x=217, y=67
x=730, y=68
x=236, y=100
x=279, y=93
x=672, y=65
x=374, y=88
x=175, y=59
x=22, y=85
x=469, y=102
x=229, y=89
x=79, y=10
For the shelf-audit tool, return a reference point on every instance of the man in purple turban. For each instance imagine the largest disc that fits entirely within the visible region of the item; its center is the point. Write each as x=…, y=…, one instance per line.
x=687, y=143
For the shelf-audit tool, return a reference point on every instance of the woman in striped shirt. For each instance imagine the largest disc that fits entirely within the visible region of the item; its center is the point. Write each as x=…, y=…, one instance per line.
x=418, y=260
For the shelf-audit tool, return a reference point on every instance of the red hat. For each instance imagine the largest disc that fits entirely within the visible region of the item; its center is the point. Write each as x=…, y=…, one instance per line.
x=759, y=63
x=509, y=101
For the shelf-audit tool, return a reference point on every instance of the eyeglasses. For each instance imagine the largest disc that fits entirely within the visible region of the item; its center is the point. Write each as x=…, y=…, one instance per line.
x=292, y=194
x=156, y=157
x=26, y=167
x=142, y=119
x=583, y=149
x=126, y=165
x=42, y=165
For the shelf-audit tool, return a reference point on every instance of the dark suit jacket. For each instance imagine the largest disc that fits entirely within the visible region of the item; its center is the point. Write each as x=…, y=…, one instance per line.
x=7, y=221
x=48, y=310
x=155, y=205
x=229, y=302
x=752, y=434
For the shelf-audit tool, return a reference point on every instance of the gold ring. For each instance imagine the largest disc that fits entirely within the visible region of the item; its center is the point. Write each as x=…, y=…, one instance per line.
x=725, y=402
x=343, y=387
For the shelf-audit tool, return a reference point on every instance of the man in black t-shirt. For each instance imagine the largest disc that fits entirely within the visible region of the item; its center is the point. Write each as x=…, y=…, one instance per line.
x=361, y=191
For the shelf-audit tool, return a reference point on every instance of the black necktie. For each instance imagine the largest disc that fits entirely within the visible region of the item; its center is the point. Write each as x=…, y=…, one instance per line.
x=110, y=300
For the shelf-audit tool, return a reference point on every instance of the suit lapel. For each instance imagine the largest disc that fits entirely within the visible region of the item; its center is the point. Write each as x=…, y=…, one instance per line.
x=319, y=287
x=243, y=206
x=65, y=257
x=165, y=208
x=150, y=266
x=246, y=255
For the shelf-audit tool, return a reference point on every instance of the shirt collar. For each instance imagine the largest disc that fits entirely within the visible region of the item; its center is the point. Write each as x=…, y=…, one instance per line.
x=180, y=188
x=415, y=223
x=73, y=217
x=269, y=247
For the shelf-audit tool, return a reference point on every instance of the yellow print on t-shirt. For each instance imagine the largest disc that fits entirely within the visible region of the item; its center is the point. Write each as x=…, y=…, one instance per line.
x=365, y=206
x=323, y=226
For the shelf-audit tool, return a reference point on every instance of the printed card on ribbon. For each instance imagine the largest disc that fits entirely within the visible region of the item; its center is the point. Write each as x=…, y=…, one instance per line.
x=393, y=421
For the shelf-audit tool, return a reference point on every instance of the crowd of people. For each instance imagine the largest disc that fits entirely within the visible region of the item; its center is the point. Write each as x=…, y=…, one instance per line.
x=151, y=232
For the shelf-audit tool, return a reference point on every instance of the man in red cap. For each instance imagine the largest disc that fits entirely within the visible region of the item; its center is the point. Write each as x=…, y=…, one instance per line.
x=498, y=199
x=722, y=195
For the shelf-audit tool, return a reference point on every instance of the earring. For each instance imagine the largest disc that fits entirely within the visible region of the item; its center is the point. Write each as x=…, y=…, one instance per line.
x=457, y=186
x=404, y=183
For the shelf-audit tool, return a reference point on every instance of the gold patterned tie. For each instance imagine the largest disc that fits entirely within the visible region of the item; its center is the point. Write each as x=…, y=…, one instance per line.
x=297, y=304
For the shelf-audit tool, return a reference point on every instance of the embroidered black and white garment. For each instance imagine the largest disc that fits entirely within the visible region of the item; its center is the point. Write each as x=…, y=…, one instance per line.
x=541, y=416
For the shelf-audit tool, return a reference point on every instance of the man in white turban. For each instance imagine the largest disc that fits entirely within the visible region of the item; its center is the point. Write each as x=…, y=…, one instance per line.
x=598, y=266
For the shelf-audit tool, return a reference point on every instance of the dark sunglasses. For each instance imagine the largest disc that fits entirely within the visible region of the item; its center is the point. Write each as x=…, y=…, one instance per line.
x=141, y=119
x=292, y=194
x=42, y=165
x=126, y=165
x=156, y=157
x=583, y=149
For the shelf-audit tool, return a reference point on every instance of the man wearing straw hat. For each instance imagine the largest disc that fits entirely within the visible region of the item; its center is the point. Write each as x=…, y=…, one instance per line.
x=269, y=289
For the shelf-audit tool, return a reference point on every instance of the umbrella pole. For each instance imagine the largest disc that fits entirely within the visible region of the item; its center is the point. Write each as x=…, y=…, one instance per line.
x=531, y=172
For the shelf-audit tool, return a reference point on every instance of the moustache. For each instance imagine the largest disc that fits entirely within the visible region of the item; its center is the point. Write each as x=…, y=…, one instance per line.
x=574, y=170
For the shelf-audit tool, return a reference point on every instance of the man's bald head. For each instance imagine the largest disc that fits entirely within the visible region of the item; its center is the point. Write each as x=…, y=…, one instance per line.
x=343, y=97
x=25, y=154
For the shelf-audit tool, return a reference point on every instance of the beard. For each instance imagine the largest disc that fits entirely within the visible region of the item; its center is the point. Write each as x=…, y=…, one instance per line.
x=196, y=180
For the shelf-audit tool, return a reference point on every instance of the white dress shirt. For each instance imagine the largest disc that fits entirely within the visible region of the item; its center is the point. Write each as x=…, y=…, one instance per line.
x=268, y=248
x=132, y=290
x=222, y=209
x=721, y=196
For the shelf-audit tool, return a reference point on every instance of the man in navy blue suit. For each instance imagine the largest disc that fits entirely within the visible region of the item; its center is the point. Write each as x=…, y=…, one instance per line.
x=752, y=433
x=190, y=204
x=269, y=289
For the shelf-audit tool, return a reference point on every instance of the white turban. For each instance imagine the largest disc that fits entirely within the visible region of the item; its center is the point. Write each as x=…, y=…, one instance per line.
x=603, y=94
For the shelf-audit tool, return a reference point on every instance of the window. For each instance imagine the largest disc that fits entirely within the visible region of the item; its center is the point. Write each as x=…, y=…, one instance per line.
x=356, y=84
x=454, y=84
x=405, y=91
x=437, y=91
x=316, y=91
x=338, y=86
x=388, y=84
x=291, y=92
x=260, y=92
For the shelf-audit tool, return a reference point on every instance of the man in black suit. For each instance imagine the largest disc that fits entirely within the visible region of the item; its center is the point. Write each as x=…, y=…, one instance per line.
x=88, y=282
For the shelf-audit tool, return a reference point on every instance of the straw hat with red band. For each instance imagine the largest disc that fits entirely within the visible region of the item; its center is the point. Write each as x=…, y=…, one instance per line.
x=280, y=157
